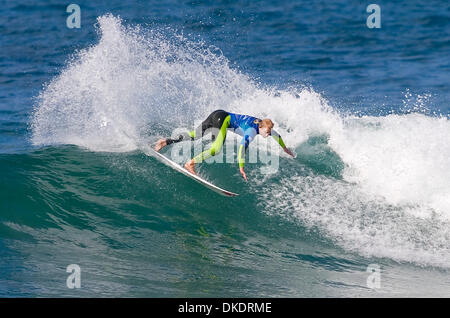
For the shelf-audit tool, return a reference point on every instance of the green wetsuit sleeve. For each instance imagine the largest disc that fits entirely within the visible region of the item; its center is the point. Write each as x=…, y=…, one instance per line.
x=278, y=138
x=241, y=156
x=249, y=135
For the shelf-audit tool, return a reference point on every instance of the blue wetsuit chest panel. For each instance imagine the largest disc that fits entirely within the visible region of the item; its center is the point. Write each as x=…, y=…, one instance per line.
x=241, y=123
x=246, y=126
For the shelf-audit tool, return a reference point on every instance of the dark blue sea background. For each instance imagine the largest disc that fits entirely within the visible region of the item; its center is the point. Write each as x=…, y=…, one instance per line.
x=365, y=109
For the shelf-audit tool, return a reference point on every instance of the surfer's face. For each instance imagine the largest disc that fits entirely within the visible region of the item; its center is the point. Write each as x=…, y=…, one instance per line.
x=265, y=127
x=265, y=131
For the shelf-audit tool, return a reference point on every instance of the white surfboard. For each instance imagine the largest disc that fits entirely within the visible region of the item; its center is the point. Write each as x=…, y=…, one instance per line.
x=181, y=169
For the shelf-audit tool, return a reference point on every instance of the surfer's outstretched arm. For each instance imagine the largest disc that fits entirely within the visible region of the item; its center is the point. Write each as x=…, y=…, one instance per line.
x=280, y=141
x=249, y=135
x=241, y=158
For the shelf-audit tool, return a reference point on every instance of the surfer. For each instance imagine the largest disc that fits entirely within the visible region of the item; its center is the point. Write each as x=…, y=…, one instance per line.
x=219, y=121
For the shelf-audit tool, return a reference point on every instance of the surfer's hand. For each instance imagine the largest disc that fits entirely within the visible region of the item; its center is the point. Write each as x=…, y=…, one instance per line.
x=241, y=169
x=289, y=152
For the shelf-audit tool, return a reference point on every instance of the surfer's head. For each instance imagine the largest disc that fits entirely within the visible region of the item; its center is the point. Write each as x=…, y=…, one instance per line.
x=265, y=127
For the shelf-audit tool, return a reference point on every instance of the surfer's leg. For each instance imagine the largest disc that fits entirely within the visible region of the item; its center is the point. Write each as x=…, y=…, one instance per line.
x=221, y=118
x=197, y=132
x=167, y=141
x=181, y=137
x=215, y=119
x=216, y=146
x=161, y=143
x=214, y=150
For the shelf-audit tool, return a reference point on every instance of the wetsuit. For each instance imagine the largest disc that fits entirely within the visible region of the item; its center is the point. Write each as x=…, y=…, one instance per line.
x=218, y=122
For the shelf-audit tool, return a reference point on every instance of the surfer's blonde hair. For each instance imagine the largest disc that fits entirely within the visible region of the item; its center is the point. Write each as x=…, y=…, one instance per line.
x=266, y=122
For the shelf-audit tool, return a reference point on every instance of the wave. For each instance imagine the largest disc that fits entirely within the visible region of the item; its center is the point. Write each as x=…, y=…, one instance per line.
x=379, y=186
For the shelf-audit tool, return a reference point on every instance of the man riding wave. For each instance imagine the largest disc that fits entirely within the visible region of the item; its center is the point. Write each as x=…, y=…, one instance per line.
x=220, y=121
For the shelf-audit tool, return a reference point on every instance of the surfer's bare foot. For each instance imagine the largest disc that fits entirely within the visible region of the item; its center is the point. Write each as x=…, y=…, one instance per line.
x=160, y=144
x=190, y=166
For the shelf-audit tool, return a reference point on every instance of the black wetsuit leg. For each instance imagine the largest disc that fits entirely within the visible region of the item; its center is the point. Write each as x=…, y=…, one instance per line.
x=214, y=120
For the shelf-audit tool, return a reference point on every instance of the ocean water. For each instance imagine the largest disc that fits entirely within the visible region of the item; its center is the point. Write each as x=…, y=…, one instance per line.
x=366, y=111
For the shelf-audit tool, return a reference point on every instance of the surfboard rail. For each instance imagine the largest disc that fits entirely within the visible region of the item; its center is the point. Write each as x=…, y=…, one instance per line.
x=200, y=180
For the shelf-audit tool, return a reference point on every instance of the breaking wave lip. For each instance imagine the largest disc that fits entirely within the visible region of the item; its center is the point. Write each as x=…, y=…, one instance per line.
x=109, y=93
x=392, y=197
